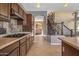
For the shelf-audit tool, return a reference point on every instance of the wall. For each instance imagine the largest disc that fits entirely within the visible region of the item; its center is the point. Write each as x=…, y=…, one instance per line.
x=67, y=18
x=45, y=26
x=63, y=16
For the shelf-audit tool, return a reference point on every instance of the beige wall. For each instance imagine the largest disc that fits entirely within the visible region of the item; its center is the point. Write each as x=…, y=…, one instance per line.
x=65, y=17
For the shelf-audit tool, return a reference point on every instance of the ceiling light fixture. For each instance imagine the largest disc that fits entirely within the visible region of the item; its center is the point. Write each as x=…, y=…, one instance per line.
x=65, y=5
x=38, y=5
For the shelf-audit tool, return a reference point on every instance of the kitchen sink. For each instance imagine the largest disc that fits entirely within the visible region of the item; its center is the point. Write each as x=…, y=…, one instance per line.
x=15, y=35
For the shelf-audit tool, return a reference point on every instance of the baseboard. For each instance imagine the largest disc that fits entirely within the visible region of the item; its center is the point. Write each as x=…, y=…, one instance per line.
x=55, y=43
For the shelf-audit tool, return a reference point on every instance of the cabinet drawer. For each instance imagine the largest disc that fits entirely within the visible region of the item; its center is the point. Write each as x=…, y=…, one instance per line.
x=9, y=48
x=15, y=52
x=22, y=40
x=28, y=45
x=23, y=49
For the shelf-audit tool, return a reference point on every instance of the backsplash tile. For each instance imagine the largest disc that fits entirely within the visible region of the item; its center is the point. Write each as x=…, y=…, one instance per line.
x=11, y=26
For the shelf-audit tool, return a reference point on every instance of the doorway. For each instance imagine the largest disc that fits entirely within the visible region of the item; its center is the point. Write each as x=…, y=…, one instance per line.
x=39, y=28
x=38, y=25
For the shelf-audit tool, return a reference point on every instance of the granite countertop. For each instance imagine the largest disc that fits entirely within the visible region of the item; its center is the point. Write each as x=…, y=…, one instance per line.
x=15, y=33
x=4, y=42
x=72, y=41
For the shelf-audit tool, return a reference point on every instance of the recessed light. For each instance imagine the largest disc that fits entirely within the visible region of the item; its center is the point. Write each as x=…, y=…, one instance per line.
x=38, y=5
x=65, y=5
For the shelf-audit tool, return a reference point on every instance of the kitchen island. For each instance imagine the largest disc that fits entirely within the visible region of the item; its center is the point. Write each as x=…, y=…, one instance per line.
x=70, y=46
x=15, y=44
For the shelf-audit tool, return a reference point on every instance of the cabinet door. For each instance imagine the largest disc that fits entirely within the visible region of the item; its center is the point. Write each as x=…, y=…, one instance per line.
x=25, y=19
x=12, y=49
x=4, y=9
x=21, y=11
x=23, y=49
x=15, y=52
x=29, y=22
x=28, y=43
x=15, y=6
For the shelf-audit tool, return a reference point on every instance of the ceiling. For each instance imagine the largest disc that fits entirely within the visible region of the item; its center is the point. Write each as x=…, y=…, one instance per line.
x=44, y=7
x=51, y=6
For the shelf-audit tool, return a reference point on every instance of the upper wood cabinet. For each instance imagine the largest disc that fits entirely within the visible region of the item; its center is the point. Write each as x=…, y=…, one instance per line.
x=5, y=9
x=15, y=6
x=21, y=12
x=29, y=22
x=25, y=19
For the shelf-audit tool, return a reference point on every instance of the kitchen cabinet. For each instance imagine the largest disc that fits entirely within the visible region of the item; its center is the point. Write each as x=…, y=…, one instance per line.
x=11, y=50
x=23, y=47
x=25, y=22
x=28, y=43
x=68, y=50
x=25, y=19
x=70, y=46
x=18, y=48
x=4, y=10
x=29, y=22
x=15, y=52
x=15, y=7
x=21, y=12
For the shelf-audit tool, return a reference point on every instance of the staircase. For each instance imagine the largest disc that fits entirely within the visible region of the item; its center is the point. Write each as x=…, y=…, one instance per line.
x=58, y=28
x=63, y=29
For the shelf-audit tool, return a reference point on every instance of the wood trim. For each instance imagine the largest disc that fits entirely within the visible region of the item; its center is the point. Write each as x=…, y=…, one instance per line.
x=19, y=48
x=12, y=51
x=69, y=50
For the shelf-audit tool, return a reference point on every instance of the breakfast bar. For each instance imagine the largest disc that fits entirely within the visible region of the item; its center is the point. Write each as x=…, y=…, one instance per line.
x=70, y=46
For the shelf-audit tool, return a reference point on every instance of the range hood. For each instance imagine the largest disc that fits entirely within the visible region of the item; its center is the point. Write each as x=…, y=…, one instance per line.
x=15, y=15
x=3, y=18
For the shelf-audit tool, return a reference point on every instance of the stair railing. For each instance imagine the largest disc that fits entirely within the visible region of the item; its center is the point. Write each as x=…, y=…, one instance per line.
x=62, y=30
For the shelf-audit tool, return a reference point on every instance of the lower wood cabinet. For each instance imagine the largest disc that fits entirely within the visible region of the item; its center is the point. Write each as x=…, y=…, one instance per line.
x=12, y=49
x=28, y=43
x=19, y=48
x=23, y=49
x=15, y=52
